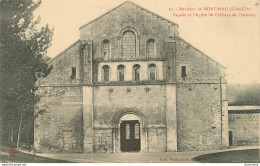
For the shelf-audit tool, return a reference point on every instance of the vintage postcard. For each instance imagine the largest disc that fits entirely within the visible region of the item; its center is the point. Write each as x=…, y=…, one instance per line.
x=115, y=81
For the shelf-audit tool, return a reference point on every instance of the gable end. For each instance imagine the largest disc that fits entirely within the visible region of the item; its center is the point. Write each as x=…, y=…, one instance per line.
x=169, y=21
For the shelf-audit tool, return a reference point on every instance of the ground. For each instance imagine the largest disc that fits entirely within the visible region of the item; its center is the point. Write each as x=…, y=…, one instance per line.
x=21, y=157
x=237, y=155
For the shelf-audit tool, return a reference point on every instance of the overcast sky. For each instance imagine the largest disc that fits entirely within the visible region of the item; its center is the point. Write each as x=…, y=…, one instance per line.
x=233, y=42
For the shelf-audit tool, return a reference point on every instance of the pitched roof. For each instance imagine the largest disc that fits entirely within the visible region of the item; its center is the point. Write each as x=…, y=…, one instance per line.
x=64, y=51
x=202, y=52
x=129, y=2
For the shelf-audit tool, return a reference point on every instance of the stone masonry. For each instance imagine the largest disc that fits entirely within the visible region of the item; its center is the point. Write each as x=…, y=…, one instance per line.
x=179, y=99
x=244, y=126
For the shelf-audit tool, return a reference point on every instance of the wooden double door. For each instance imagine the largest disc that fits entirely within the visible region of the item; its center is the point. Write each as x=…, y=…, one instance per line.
x=130, y=136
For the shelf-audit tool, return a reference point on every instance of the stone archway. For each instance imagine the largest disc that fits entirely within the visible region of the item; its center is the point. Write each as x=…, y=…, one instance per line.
x=129, y=115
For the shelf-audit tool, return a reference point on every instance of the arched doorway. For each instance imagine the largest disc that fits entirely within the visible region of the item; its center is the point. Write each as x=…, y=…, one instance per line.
x=129, y=132
x=130, y=139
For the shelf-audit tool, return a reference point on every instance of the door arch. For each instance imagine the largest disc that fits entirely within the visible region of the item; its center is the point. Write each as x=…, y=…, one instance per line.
x=133, y=119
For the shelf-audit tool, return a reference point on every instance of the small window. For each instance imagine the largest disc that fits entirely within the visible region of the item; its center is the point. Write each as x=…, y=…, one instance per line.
x=73, y=73
x=152, y=72
x=136, y=72
x=106, y=73
x=183, y=71
x=121, y=72
x=106, y=49
x=150, y=48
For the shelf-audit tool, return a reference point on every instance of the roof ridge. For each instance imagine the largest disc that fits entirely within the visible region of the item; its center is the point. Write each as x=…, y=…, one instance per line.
x=153, y=13
x=122, y=5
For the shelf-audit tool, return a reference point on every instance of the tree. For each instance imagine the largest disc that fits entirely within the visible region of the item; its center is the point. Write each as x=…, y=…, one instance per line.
x=243, y=94
x=23, y=52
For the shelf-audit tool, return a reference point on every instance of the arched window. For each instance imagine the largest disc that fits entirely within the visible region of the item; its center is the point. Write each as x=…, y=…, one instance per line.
x=121, y=72
x=136, y=72
x=150, y=48
x=106, y=49
x=152, y=72
x=129, y=44
x=106, y=73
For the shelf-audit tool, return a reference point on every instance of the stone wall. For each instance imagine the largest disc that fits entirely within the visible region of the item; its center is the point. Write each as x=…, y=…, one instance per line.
x=62, y=68
x=145, y=24
x=148, y=99
x=59, y=128
x=244, y=127
x=198, y=117
x=200, y=125
x=103, y=140
x=199, y=67
x=201, y=100
x=157, y=139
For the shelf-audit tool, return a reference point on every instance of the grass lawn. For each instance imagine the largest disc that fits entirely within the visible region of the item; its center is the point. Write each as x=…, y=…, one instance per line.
x=23, y=157
x=236, y=156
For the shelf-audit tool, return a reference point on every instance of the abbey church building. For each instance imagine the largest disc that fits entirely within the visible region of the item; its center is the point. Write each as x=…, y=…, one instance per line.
x=131, y=84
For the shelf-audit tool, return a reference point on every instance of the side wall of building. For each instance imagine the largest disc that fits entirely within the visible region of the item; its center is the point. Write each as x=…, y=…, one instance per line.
x=201, y=100
x=199, y=67
x=62, y=68
x=244, y=128
x=198, y=117
x=58, y=127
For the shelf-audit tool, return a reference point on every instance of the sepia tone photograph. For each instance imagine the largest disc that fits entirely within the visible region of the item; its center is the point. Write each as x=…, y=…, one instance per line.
x=116, y=81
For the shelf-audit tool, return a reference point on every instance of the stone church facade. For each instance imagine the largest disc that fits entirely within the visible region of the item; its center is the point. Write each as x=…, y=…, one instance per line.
x=130, y=83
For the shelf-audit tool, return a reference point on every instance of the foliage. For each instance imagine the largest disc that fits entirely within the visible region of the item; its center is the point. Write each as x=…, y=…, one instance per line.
x=23, y=53
x=243, y=94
